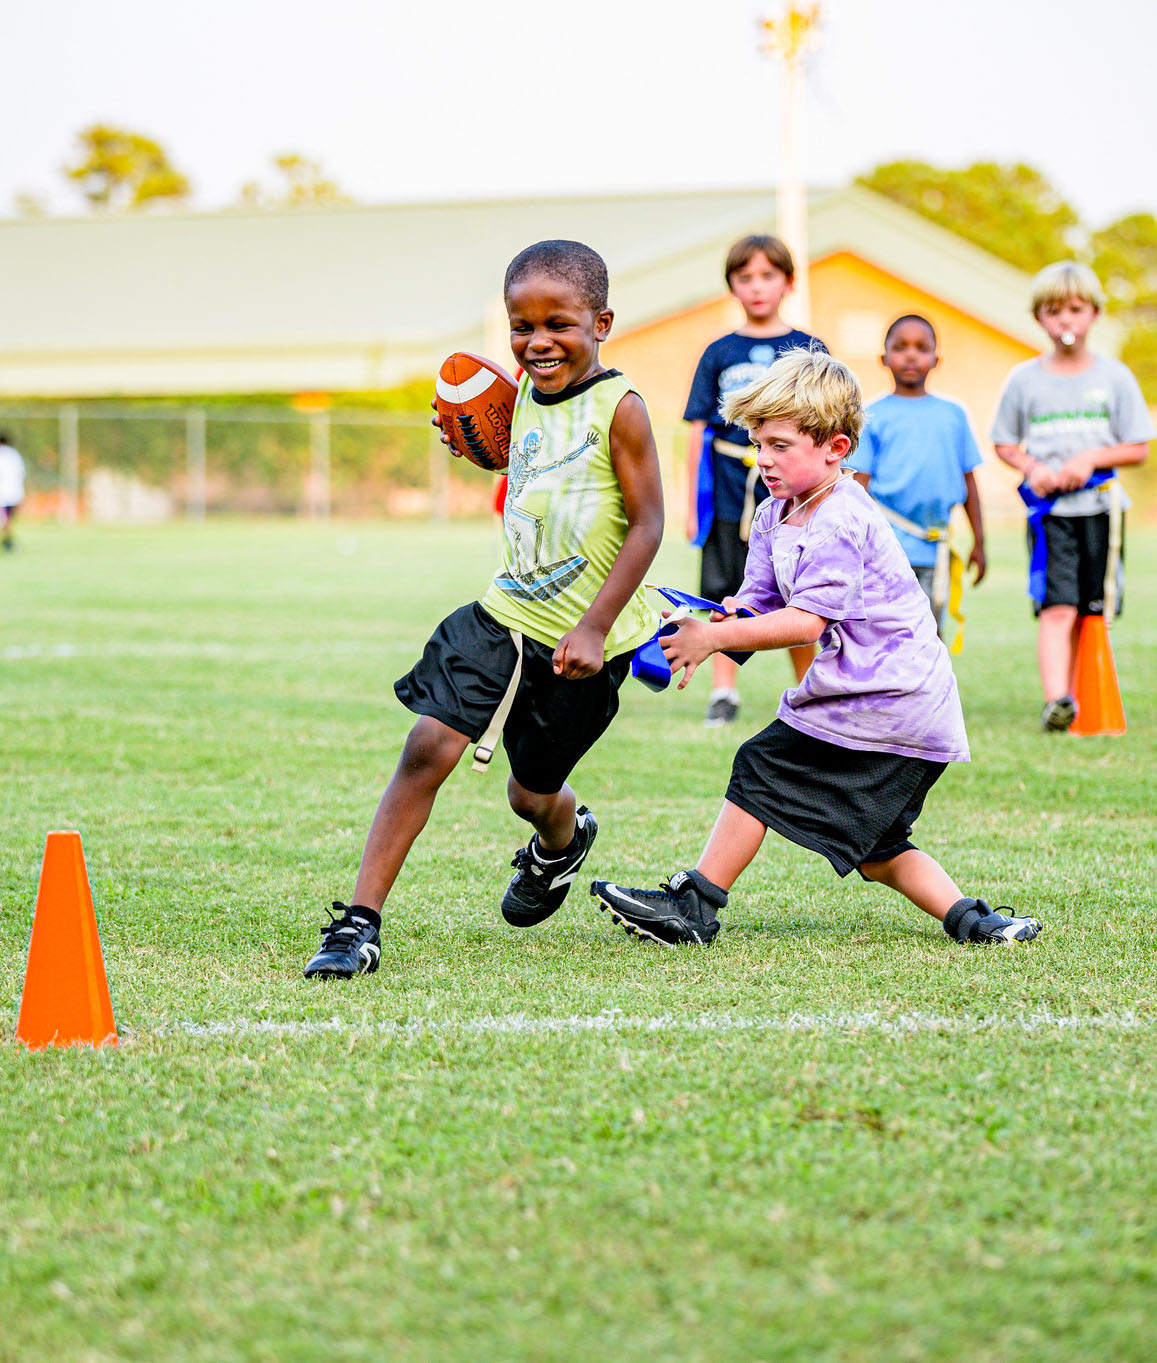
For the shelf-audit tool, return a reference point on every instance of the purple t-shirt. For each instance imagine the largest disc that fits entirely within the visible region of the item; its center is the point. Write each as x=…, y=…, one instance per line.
x=882, y=681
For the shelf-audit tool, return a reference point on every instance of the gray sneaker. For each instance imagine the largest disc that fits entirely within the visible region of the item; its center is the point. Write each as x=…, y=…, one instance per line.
x=1058, y=715
x=722, y=708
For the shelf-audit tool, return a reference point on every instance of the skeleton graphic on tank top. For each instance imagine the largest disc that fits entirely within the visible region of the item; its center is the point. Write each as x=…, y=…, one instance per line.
x=528, y=578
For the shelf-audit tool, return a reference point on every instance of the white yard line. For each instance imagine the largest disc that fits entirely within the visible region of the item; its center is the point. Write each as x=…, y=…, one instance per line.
x=173, y=648
x=617, y=1023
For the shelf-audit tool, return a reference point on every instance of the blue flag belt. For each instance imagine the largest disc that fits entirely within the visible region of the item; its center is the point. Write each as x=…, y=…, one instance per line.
x=1038, y=508
x=650, y=663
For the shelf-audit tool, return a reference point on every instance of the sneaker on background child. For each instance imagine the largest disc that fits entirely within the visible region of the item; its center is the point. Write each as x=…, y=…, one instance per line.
x=542, y=656
x=723, y=484
x=916, y=458
x=845, y=767
x=1066, y=421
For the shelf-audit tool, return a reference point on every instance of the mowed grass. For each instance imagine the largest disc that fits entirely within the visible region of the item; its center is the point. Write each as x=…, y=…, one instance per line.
x=835, y=1135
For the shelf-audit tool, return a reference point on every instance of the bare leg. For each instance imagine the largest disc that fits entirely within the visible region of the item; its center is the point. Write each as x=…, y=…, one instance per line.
x=724, y=672
x=918, y=878
x=553, y=816
x=731, y=848
x=431, y=753
x=1056, y=650
x=802, y=656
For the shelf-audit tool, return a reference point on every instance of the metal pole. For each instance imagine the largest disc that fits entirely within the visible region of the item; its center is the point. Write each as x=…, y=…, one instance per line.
x=319, y=465
x=195, y=463
x=793, y=197
x=788, y=37
x=69, y=510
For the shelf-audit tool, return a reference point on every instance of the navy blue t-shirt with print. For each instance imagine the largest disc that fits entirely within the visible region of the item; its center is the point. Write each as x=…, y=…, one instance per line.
x=729, y=363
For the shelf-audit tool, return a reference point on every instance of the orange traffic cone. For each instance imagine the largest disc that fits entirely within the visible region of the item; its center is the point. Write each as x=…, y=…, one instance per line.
x=66, y=1000
x=1099, y=708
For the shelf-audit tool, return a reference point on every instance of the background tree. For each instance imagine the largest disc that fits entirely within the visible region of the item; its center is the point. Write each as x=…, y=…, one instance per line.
x=1124, y=255
x=1011, y=210
x=1014, y=212
x=119, y=169
x=302, y=184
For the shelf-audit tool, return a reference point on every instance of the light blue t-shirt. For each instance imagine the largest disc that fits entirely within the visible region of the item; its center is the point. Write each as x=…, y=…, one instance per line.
x=917, y=451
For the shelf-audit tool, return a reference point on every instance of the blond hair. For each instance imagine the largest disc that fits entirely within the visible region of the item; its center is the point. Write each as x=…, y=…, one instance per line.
x=809, y=388
x=1066, y=279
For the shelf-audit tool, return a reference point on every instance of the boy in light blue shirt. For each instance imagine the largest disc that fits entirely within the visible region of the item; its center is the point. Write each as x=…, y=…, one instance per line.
x=916, y=457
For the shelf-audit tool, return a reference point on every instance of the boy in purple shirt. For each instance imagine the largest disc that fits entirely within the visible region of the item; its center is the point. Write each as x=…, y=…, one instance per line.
x=845, y=767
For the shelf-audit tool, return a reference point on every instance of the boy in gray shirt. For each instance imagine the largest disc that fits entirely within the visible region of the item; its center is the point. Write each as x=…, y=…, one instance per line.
x=1066, y=421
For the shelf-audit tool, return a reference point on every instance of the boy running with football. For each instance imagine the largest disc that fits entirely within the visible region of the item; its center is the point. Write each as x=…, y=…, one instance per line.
x=553, y=635
x=845, y=767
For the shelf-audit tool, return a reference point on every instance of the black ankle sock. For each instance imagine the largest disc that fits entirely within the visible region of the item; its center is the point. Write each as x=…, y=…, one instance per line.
x=714, y=894
x=549, y=854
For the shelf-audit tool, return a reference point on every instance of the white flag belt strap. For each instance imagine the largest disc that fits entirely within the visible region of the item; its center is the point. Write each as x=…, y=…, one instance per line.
x=745, y=453
x=489, y=740
x=933, y=535
x=1113, y=562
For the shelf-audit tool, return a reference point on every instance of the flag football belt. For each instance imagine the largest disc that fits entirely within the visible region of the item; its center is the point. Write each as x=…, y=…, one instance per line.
x=947, y=574
x=489, y=740
x=744, y=453
x=649, y=664
x=1039, y=507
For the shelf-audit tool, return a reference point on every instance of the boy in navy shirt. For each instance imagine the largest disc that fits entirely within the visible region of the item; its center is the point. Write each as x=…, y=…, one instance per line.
x=916, y=458
x=724, y=484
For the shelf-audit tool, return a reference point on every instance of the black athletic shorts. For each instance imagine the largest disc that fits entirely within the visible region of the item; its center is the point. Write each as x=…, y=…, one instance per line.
x=1078, y=555
x=463, y=674
x=724, y=561
x=848, y=805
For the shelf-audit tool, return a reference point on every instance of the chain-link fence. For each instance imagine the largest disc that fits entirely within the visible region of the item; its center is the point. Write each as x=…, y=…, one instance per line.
x=106, y=461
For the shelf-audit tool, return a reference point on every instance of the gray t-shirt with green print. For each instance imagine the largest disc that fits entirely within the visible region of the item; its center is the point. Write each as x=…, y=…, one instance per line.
x=1055, y=416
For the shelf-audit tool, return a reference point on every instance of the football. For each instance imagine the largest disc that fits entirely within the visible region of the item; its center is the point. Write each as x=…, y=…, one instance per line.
x=475, y=401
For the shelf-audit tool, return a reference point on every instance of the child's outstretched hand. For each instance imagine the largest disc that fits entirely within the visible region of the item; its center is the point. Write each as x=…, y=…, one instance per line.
x=688, y=646
x=579, y=652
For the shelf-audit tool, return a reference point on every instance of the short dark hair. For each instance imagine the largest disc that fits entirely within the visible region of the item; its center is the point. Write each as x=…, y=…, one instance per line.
x=741, y=253
x=584, y=269
x=909, y=317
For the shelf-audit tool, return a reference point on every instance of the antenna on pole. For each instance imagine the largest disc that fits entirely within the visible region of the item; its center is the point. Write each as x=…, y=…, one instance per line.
x=788, y=38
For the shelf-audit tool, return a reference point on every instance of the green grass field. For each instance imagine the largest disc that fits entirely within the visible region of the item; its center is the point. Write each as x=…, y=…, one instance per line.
x=834, y=1136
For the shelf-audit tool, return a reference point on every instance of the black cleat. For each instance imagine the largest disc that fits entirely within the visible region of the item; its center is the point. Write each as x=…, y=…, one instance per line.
x=971, y=920
x=539, y=886
x=350, y=945
x=683, y=911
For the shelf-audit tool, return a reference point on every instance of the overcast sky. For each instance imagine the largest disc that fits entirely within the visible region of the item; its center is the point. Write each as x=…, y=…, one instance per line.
x=413, y=99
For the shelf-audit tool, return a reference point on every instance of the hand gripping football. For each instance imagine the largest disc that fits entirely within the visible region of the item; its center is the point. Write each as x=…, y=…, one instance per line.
x=475, y=401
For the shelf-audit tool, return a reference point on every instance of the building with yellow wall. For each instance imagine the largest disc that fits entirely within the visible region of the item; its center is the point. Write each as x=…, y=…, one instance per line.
x=354, y=297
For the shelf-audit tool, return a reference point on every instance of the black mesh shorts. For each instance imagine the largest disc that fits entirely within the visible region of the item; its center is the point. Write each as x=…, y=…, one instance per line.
x=848, y=805
x=1078, y=556
x=724, y=561
x=463, y=674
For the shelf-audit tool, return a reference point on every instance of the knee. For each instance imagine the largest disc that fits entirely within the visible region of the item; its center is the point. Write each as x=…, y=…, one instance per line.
x=525, y=803
x=431, y=750
x=879, y=871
